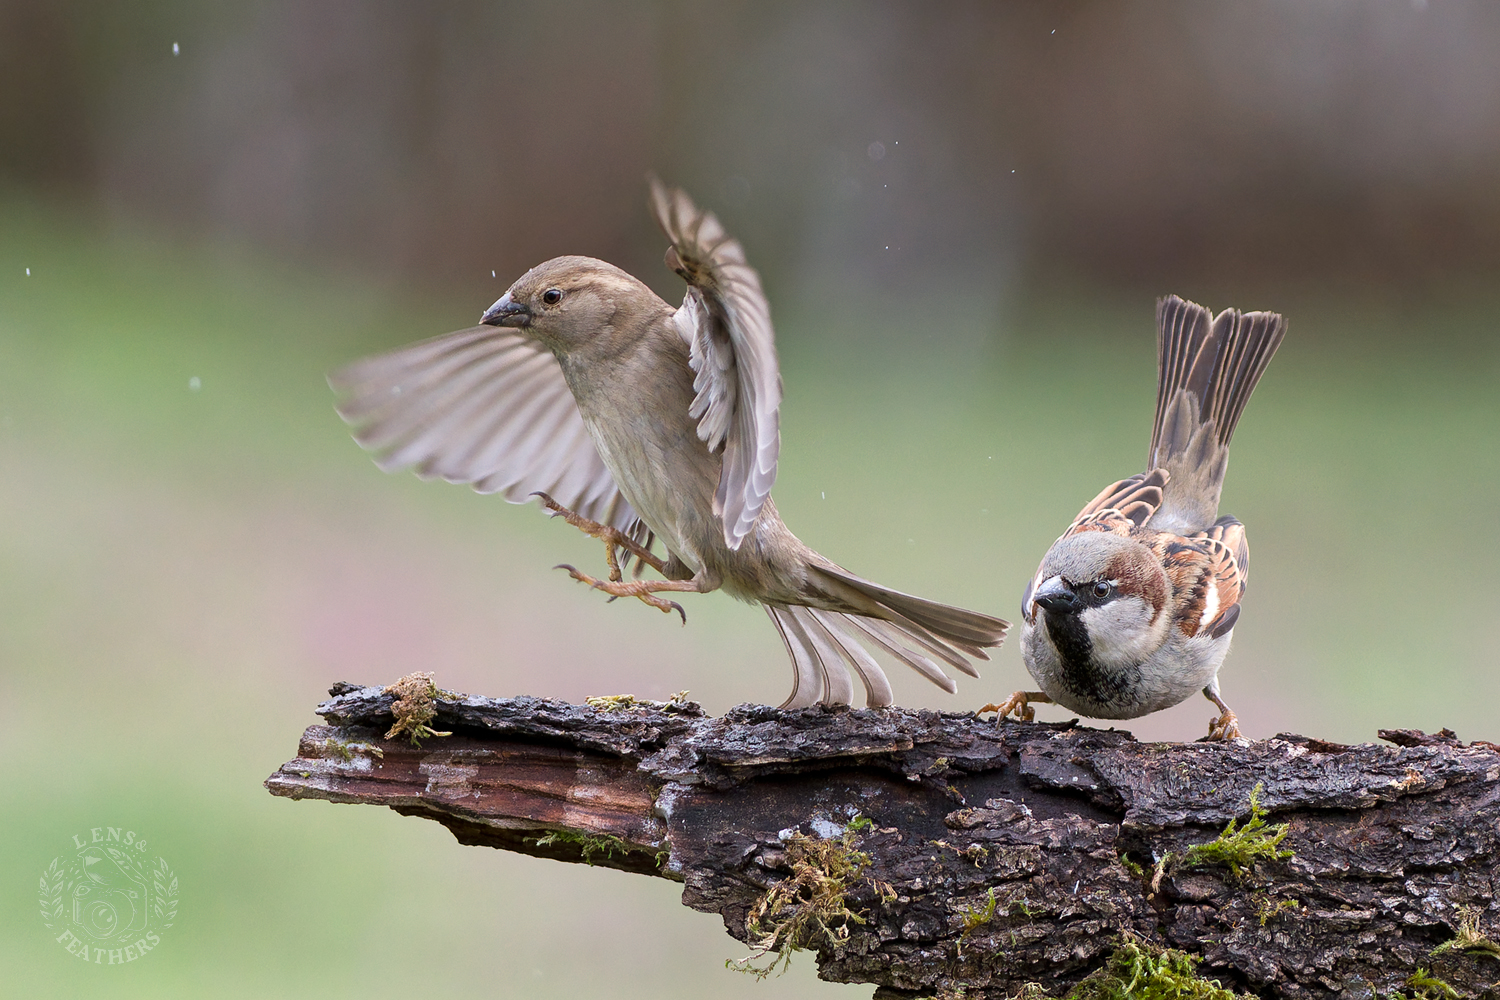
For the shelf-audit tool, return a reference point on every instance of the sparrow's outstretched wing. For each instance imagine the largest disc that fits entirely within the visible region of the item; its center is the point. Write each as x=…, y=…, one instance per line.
x=727, y=323
x=483, y=406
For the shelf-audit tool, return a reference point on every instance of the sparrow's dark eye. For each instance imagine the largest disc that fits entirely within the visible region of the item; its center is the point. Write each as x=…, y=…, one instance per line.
x=552, y=296
x=1102, y=589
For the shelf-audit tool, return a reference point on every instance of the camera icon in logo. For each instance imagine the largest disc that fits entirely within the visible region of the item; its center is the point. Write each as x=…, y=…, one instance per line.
x=110, y=900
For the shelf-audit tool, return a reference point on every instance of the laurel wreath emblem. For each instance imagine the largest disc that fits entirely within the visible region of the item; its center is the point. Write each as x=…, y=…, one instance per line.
x=103, y=880
x=54, y=883
x=165, y=901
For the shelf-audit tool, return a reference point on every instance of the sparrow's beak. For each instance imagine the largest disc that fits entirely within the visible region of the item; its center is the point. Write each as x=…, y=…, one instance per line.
x=506, y=312
x=1055, y=595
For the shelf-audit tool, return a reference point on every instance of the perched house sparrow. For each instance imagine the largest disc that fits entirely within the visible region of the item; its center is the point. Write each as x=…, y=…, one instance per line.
x=639, y=422
x=1133, y=608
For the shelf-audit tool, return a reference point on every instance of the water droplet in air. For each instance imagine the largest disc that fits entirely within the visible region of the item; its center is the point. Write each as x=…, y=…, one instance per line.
x=195, y=383
x=28, y=272
x=876, y=150
x=175, y=49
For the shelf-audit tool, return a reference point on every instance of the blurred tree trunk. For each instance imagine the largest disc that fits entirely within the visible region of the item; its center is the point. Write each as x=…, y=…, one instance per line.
x=938, y=854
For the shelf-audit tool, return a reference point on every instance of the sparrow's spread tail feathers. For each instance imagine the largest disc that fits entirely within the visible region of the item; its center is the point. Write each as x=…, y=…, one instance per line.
x=917, y=632
x=1208, y=366
x=821, y=644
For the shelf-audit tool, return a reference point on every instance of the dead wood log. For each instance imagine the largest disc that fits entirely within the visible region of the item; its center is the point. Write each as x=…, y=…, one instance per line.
x=998, y=856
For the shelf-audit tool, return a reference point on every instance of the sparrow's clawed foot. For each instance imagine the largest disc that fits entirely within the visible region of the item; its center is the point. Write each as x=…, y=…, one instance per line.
x=645, y=590
x=1227, y=725
x=1018, y=704
x=612, y=538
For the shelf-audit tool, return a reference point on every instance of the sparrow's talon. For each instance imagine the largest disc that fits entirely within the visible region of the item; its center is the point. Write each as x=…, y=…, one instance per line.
x=553, y=508
x=1018, y=704
x=643, y=590
x=1225, y=727
x=612, y=537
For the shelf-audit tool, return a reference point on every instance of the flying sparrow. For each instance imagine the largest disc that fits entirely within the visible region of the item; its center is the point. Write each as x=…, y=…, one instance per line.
x=638, y=422
x=1133, y=608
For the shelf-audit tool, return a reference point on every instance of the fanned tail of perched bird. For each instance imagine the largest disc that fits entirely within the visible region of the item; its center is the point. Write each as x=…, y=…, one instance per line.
x=640, y=423
x=1207, y=368
x=1133, y=608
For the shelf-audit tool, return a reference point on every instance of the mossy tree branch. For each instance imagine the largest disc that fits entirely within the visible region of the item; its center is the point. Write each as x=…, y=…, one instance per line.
x=969, y=859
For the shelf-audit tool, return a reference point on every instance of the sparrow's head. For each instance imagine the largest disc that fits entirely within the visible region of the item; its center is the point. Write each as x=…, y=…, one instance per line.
x=1105, y=587
x=569, y=301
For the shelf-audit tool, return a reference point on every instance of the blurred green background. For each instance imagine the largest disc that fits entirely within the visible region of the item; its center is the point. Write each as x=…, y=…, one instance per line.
x=963, y=216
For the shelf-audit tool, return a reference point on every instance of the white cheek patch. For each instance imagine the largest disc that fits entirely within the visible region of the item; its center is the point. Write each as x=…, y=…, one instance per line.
x=1120, y=632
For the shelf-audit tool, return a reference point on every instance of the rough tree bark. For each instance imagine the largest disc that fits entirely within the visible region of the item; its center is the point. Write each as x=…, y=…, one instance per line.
x=1396, y=847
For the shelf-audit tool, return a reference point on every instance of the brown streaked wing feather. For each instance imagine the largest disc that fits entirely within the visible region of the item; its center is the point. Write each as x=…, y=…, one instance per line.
x=1230, y=552
x=1231, y=532
x=486, y=407
x=1136, y=499
x=1107, y=520
x=727, y=323
x=1205, y=579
